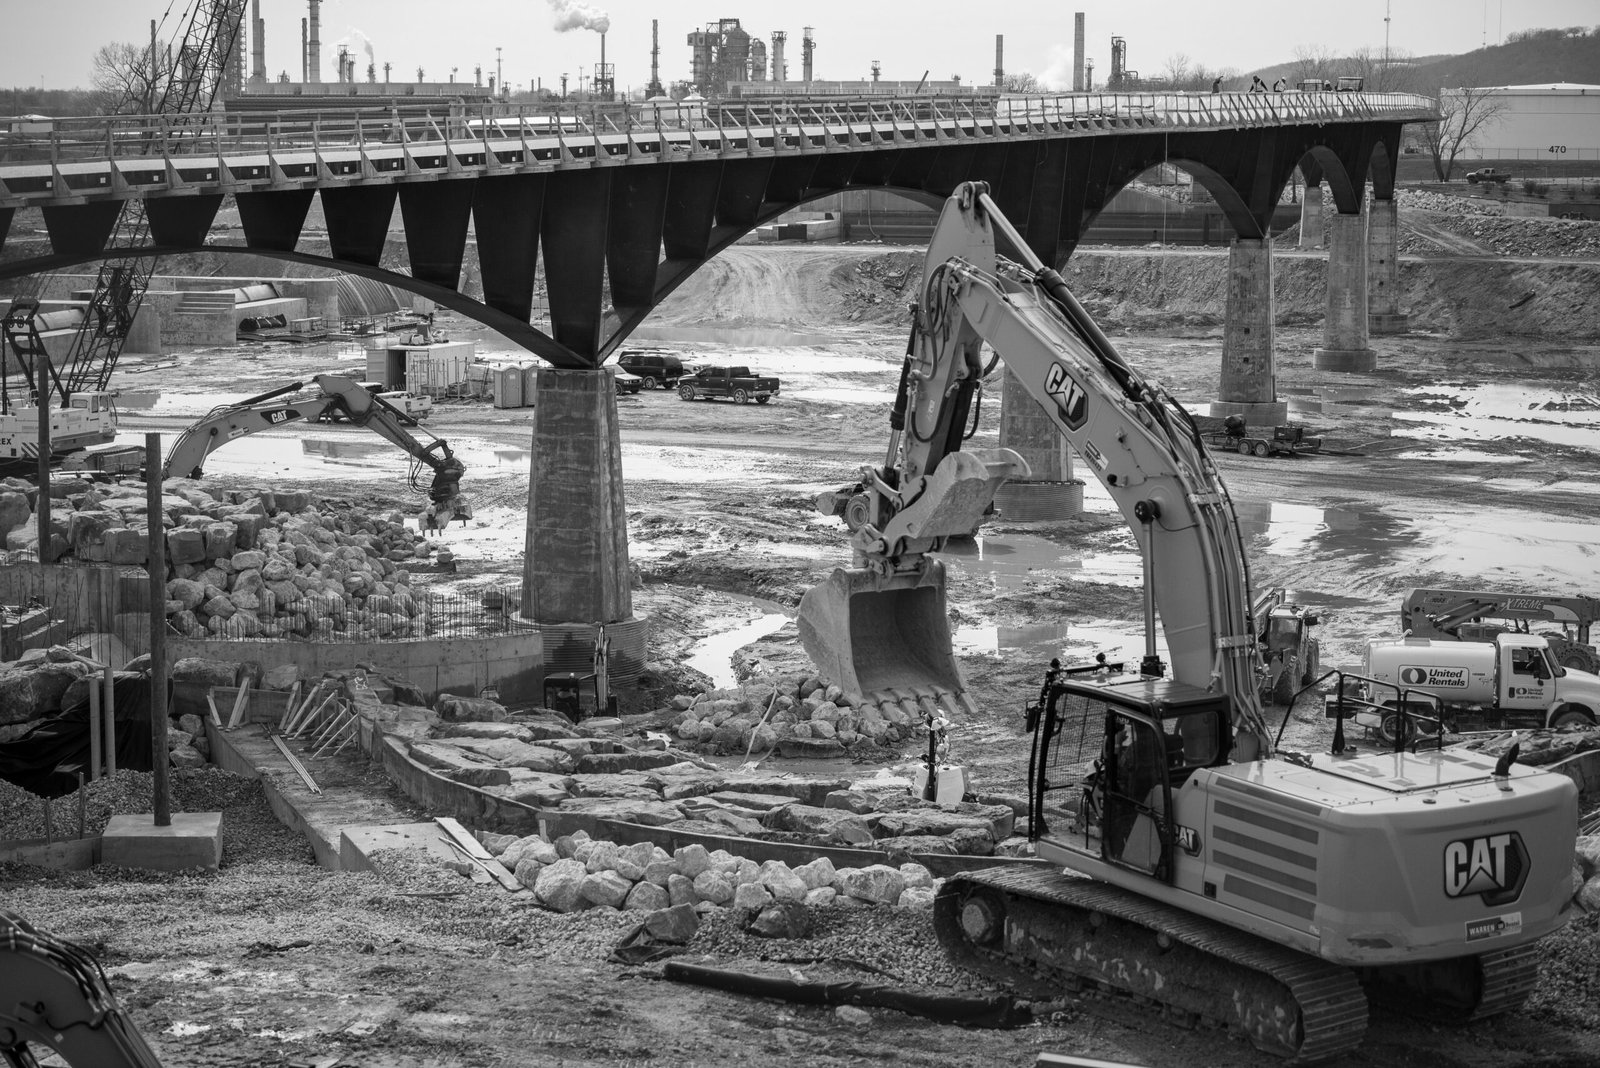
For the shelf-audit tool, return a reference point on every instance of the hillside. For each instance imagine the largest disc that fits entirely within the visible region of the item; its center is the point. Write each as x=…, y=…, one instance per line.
x=1539, y=56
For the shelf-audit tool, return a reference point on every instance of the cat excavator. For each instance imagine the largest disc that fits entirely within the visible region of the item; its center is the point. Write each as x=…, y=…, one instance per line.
x=337, y=395
x=1194, y=865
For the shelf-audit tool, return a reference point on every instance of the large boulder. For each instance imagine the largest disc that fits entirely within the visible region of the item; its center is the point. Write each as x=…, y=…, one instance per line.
x=876, y=883
x=826, y=824
x=29, y=693
x=560, y=885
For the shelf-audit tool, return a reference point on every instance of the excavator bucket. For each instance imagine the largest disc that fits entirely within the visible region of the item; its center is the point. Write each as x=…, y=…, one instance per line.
x=886, y=640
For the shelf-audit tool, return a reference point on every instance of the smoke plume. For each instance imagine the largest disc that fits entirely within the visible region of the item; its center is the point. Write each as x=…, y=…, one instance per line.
x=579, y=15
x=353, y=37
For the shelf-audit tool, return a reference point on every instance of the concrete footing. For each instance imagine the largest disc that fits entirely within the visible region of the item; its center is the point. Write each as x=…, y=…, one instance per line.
x=1033, y=501
x=1311, y=217
x=1249, y=376
x=192, y=840
x=1269, y=414
x=1384, y=323
x=1344, y=360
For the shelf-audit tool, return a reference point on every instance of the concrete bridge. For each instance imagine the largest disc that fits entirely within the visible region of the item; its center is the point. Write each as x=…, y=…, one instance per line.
x=625, y=204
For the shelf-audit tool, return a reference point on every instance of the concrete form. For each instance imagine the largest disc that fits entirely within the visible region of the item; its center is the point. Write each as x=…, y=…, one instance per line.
x=1383, y=269
x=191, y=840
x=1049, y=492
x=1344, y=331
x=1248, y=385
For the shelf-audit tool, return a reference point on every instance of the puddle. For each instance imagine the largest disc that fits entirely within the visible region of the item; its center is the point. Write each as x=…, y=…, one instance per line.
x=1013, y=560
x=724, y=337
x=714, y=655
x=335, y=448
x=843, y=395
x=1074, y=643
x=1497, y=412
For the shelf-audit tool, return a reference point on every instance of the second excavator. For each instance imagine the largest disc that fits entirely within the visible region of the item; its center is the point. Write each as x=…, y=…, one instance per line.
x=1195, y=865
x=337, y=394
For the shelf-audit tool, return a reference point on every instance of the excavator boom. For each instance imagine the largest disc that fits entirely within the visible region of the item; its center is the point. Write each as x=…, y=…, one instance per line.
x=337, y=393
x=1136, y=439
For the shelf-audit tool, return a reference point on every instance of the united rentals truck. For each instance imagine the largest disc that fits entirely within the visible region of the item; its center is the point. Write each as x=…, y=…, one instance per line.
x=1467, y=686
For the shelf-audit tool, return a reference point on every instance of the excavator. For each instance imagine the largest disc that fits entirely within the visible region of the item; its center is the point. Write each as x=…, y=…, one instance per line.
x=1193, y=864
x=338, y=395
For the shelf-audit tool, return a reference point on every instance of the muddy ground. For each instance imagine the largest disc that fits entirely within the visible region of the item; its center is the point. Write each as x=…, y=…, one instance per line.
x=1456, y=463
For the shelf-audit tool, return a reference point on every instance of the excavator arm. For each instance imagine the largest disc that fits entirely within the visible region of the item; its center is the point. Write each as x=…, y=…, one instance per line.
x=340, y=394
x=880, y=628
x=54, y=995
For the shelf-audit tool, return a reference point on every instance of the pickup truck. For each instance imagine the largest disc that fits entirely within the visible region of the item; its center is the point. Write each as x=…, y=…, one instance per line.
x=1487, y=174
x=735, y=383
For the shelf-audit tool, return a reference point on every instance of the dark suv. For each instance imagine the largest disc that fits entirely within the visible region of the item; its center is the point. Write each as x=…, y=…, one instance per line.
x=659, y=371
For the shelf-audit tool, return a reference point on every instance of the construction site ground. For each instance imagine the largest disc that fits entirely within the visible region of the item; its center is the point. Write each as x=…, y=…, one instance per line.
x=1457, y=463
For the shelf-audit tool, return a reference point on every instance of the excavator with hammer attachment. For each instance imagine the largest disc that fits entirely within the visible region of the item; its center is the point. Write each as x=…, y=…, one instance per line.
x=338, y=395
x=1195, y=866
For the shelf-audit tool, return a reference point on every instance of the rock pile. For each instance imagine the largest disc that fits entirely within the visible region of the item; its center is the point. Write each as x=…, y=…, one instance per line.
x=798, y=717
x=1515, y=236
x=242, y=564
x=1423, y=200
x=37, y=685
x=576, y=872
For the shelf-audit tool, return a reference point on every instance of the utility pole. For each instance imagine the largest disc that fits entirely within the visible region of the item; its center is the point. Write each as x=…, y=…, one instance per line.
x=1384, y=85
x=156, y=570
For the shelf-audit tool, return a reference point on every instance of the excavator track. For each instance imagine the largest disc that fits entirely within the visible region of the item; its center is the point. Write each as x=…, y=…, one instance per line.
x=1457, y=991
x=1043, y=931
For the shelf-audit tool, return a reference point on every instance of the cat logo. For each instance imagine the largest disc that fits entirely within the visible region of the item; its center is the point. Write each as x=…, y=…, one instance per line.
x=1492, y=866
x=281, y=415
x=1071, y=400
x=1189, y=840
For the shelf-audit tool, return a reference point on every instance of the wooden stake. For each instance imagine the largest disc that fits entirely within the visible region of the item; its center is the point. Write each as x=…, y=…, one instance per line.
x=239, y=703
x=157, y=566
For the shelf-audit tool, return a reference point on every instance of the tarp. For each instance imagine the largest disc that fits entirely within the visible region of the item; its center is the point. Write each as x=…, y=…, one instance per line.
x=36, y=761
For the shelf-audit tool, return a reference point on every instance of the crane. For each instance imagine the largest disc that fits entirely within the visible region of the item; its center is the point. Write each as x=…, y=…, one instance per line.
x=1193, y=864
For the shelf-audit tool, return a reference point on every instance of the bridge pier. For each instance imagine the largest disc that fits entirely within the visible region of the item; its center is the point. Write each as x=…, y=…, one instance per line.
x=1344, y=331
x=1383, y=269
x=1248, y=385
x=1049, y=492
x=575, y=573
x=1311, y=228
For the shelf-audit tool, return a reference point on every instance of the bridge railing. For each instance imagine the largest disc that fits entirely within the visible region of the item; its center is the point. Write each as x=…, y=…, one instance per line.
x=233, y=134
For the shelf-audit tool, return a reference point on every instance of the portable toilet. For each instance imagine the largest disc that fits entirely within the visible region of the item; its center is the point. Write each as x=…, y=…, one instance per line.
x=530, y=384
x=508, y=387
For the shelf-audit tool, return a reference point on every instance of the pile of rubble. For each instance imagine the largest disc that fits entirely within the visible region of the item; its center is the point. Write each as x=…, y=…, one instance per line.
x=241, y=564
x=798, y=717
x=576, y=872
x=1422, y=200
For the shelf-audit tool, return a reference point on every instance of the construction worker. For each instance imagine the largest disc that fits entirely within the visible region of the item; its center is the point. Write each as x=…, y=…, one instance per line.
x=1256, y=84
x=1279, y=85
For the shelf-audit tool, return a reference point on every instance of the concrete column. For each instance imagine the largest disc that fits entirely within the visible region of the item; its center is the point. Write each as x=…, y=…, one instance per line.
x=1344, y=331
x=1050, y=492
x=576, y=565
x=1311, y=217
x=1383, y=269
x=1249, y=385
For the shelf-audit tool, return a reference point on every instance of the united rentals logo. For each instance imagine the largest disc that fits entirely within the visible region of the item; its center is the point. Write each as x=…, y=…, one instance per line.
x=1494, y=867
x=1070, y=397
x=1444, y=678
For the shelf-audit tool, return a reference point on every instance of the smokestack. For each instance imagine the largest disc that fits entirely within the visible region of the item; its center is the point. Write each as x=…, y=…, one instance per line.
x=780, y=69
x=258, y=44
x=999, y=61
x=305, y=54
x=1077, y=53
x=654, y=88
x=807, y=48
x=314, y=43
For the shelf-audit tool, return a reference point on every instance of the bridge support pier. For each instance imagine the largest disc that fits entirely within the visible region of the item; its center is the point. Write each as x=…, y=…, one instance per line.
x=1344, y=331
x=1248, y=385
x=1311, y=216
x=575, y=573
x=1383, y=269
x=1050, y=492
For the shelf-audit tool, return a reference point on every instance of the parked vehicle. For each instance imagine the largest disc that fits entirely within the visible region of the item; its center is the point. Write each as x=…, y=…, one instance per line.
x=627, y=383
x=735, y=383
x=1467, y=686
x=1291, y=654
x=656, y=370
x=1488, y=174
x=1290, y=439
x=1480, y=615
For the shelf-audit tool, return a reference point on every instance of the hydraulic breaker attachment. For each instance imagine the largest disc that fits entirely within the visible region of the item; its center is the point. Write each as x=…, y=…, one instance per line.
x=884, y=638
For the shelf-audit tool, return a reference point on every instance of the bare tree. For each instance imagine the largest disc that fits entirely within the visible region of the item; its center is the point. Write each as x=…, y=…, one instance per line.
x=1023, y=82
x=127, y=79
x=1380, y=73
x=1311, y=63
x=1463, y=115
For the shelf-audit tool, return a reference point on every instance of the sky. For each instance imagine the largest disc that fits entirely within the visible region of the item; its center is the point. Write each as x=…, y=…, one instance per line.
x=53, y=45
